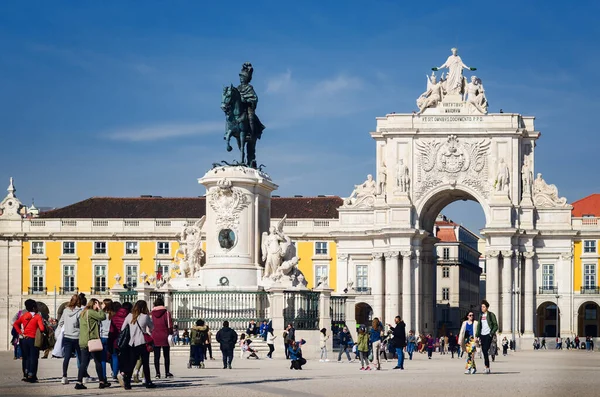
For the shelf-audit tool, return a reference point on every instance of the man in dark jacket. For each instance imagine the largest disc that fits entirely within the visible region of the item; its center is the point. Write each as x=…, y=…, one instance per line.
x=345, y=343
x=399, y=340
x=227, y=339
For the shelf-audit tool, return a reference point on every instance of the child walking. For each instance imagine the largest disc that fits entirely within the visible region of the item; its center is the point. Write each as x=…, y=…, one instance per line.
x=323, y=337
x=471, y=348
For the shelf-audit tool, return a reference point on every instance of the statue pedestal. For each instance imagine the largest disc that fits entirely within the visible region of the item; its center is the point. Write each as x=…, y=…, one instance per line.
x=238, y=211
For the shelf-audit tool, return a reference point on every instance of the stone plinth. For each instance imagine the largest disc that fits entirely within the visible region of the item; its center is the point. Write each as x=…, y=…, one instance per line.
x=238, y=207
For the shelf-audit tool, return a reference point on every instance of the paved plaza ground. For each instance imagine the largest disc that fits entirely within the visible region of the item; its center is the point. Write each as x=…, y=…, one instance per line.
x=544, y=373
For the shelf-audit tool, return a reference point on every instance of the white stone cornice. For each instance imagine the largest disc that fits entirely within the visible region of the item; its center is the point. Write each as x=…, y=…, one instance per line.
x=68, y=258
x=566, y=256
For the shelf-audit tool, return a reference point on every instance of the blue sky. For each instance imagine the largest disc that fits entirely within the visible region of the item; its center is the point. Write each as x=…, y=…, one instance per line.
x=114, y=98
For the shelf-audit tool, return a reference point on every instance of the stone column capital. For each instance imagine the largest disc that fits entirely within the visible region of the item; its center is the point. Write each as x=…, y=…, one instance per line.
x=392, y=255
x=566, y=256
x=507, y=254
x=492, y=254
x=529, y=254
x=377, y=255
x=342, y=257
x=406, y=254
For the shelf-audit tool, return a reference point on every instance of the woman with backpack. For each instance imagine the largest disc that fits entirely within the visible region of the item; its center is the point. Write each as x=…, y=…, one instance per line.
x=140, y=326
x=199, y=337
x=163, y=327
x=69, y=322
x=89, y=324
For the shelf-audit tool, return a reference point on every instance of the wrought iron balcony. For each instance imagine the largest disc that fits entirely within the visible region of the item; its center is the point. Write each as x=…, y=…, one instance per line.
x=37, y=290
x=363, y=290
x=100, y=291
x=548, y=290
x=590, y=290
x=68, y=290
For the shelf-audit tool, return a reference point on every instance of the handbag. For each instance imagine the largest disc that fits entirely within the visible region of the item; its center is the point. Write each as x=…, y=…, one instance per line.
x=58, y=350
x=41, y=340
x=123, y=339
x=147, y=338
x=94, y=345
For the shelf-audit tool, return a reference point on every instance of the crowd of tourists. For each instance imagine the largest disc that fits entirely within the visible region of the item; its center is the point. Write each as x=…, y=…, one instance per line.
x=119, y=337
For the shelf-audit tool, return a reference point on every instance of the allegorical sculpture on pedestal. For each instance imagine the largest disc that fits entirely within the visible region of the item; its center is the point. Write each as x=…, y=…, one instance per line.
x=279, y=256
x=453, y=91
x=363, y=195
x=545, y=195
x=242, y=123
x=189, y=255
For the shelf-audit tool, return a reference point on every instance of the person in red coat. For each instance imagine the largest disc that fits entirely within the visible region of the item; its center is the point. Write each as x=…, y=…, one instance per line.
x=116, y=321
x=163, y=327
x=26, y=327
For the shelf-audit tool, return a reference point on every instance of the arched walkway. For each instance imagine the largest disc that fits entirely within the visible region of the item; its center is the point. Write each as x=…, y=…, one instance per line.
x=547, y=324
x=588, y=320
x=363, y=313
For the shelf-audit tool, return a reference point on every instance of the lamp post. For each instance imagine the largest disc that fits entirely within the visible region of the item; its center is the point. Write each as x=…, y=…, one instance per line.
x=557, y=317
x=514, y=292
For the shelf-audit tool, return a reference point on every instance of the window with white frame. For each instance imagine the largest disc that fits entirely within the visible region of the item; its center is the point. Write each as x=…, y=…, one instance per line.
x=131, y=248
x=131, y=275
x=100, y=278
x=321, y=248
x=68, y=247
x=362, y=278
x=445, y=272
x=162, y=269
x=37, y=278
x=547, y=276
x=589, y=276
x=445, y=294
x=37, y=248
x=589, y=246
x=320, y=271
x=446, y=253
x=162, y=248
x=100, y=248
x=69, y=278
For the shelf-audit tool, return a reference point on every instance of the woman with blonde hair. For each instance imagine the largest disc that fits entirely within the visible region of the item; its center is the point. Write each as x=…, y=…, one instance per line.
x=69, y=322
x=89, y=325
x=140, y=327
x=375, y=339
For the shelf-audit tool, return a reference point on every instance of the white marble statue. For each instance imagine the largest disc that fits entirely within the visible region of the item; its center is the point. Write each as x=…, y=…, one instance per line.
x=279, y=255
x=545, y=195
x=432, y=96
x=475, y=95
x=366, y=191
x=272, y=250
x=503, y=177
x=403, y=177
x=188, y=257
x=455, y=82
x=382, y=179
x=526, y=178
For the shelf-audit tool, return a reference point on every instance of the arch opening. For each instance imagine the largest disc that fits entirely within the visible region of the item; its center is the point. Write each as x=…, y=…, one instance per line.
x=363, y=313
x=548, y=317
x=588, y=319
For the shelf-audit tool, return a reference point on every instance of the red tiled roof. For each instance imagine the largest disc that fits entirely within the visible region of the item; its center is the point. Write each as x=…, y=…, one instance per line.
x=589, y=205
x=446, y=234
x=193, y=207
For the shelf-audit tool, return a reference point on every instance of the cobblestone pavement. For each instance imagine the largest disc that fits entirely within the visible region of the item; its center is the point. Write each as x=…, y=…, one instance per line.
x=543, y=373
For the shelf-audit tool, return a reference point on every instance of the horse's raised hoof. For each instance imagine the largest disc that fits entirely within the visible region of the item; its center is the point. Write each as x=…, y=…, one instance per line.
x=229, y=148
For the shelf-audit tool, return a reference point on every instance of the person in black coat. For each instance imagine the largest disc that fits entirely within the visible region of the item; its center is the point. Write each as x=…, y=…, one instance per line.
x=399, y=340
x=227, y=338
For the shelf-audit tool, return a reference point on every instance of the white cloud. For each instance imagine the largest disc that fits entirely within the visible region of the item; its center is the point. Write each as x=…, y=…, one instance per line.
x=279, y=82
x=164, y=131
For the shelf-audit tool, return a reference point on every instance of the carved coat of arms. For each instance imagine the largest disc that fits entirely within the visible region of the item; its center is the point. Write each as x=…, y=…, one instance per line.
x=227, y=202
x=451, y=161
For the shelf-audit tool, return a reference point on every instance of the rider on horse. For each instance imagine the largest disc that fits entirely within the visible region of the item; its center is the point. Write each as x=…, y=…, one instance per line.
x=248, y=95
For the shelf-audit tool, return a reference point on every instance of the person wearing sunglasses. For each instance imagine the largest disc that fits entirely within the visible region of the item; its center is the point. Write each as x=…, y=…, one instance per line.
x=467, y=329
